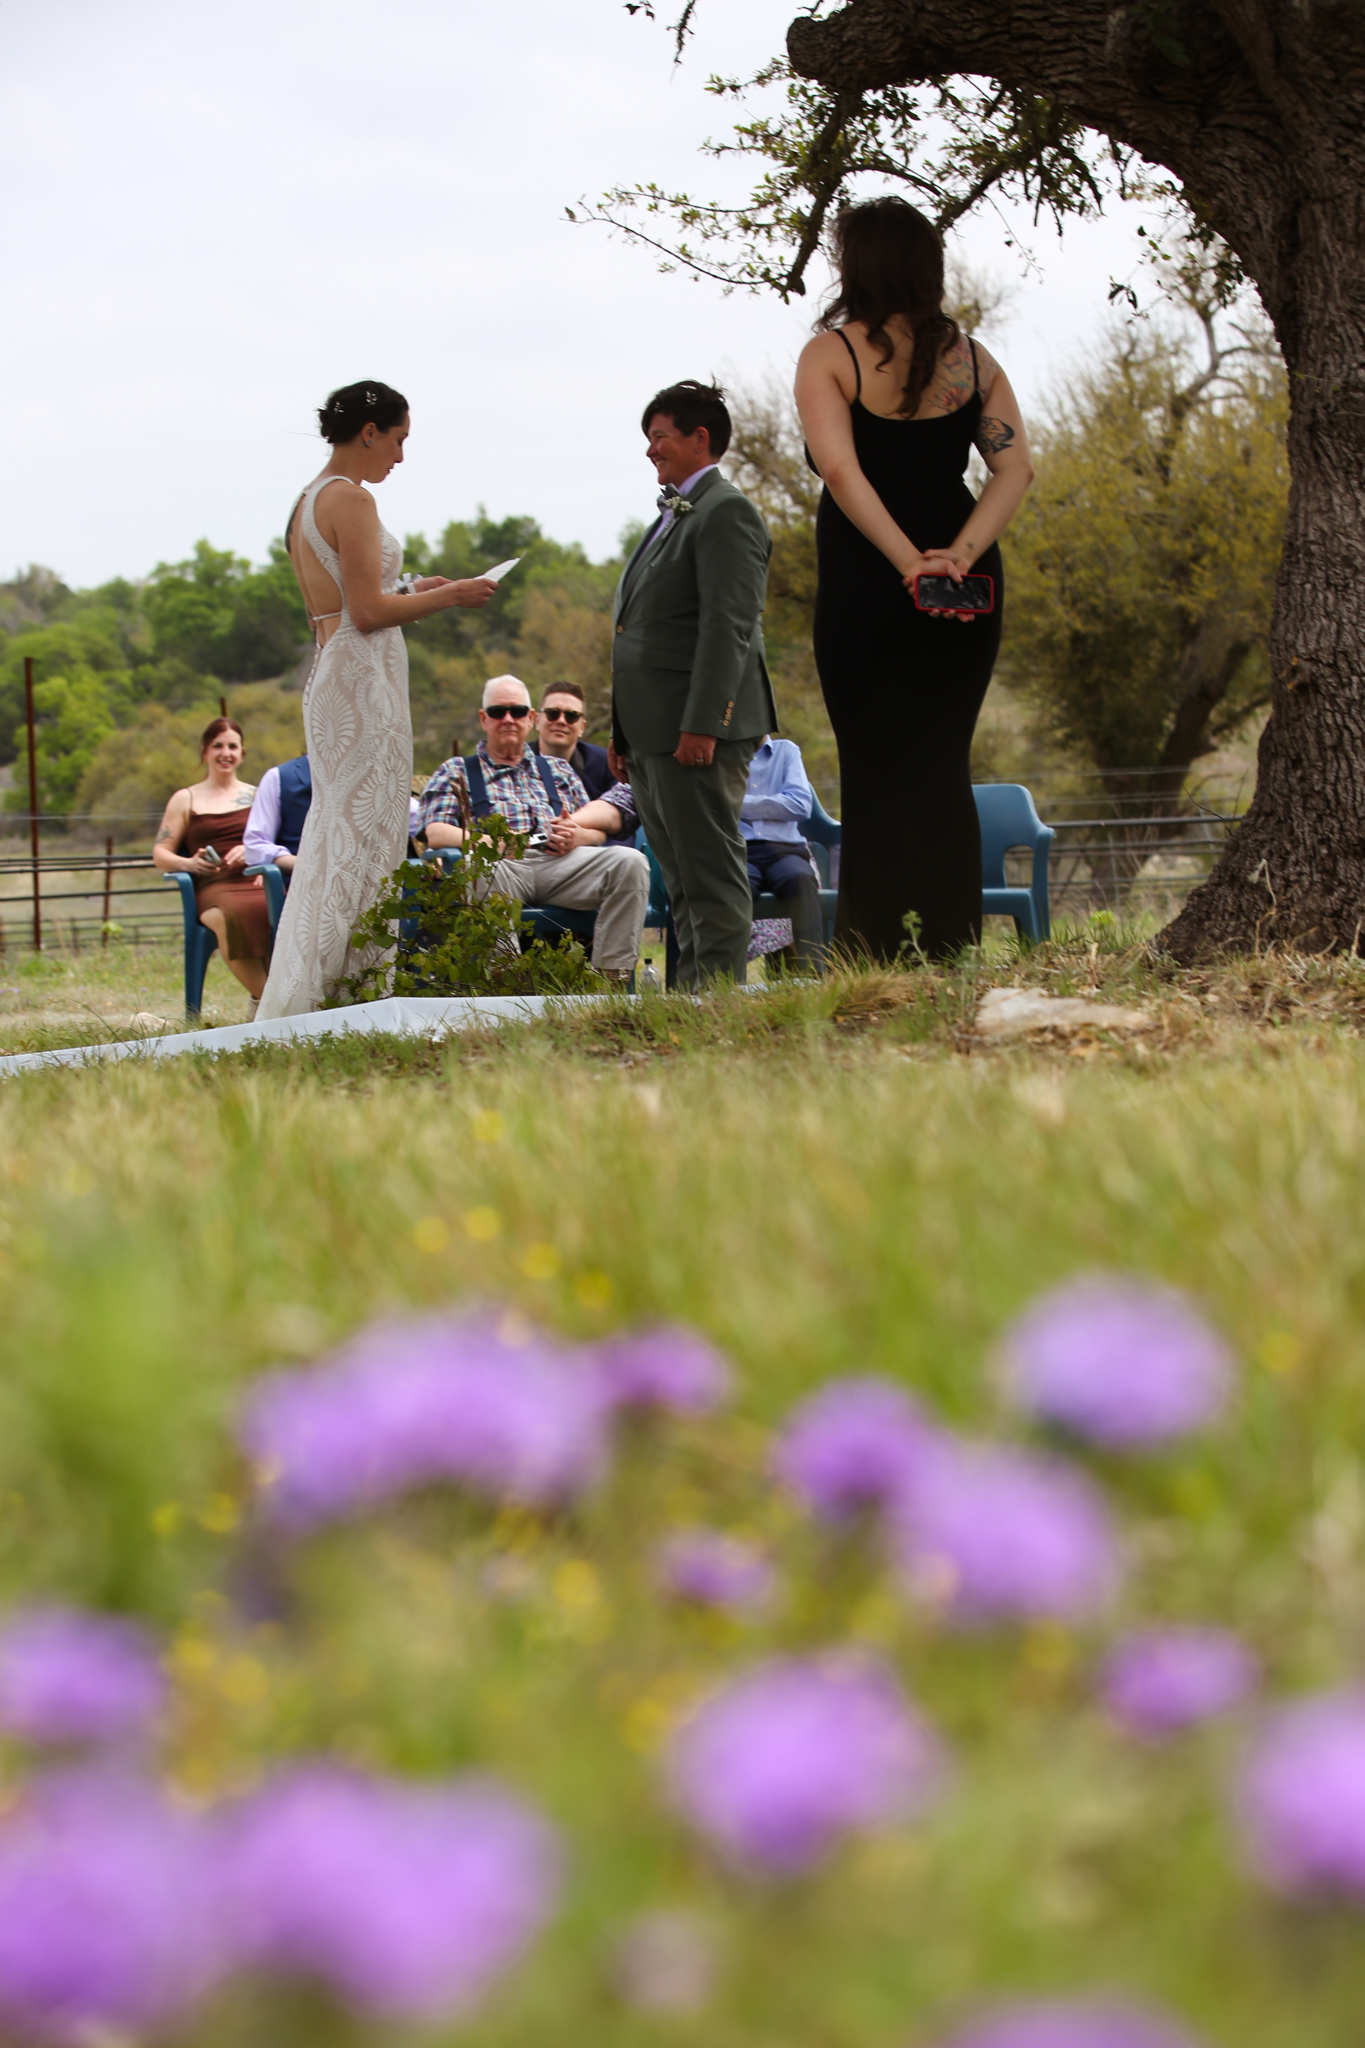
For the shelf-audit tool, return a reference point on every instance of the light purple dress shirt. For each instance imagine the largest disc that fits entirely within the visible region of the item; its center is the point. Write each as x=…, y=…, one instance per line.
x=777, y=796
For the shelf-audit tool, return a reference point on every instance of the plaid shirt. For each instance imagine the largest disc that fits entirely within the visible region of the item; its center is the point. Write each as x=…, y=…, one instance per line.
x=516, y=792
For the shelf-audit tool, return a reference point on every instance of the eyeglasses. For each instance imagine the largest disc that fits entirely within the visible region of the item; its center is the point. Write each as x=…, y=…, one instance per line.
x=554, y=714
x=507, y=710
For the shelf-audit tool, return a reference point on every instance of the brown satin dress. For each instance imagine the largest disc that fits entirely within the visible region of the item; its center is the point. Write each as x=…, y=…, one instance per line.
x=241, y=901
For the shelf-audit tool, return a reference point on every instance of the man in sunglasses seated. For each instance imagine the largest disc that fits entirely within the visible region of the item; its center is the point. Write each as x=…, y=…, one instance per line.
x=536, y=793
x=559, y=728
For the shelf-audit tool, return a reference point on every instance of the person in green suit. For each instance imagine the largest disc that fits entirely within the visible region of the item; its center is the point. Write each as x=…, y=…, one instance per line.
x=691, y=697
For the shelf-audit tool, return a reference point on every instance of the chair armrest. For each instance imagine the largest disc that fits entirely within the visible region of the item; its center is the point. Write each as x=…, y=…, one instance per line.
x=1042, y=844
x=185, y=884
x=273, y=876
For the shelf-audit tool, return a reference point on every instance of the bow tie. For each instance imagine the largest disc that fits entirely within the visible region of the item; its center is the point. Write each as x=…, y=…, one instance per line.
x=671, y=500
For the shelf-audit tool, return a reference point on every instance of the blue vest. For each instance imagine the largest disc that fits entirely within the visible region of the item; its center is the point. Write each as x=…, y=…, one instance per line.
x=296, y=794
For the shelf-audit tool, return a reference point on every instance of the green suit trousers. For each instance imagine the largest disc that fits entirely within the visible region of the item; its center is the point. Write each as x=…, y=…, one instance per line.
x=691, y=819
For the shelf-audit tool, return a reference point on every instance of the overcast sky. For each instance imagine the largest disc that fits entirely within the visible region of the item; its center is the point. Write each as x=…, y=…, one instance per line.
x=218, y=213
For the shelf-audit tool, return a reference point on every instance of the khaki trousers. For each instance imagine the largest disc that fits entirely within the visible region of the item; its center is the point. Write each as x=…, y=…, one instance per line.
x=612, y=880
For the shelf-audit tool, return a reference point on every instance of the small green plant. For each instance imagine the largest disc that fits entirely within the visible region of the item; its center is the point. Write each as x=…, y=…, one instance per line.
x=455, y=937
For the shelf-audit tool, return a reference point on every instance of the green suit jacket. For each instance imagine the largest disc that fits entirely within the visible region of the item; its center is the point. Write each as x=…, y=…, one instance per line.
x=687, y=638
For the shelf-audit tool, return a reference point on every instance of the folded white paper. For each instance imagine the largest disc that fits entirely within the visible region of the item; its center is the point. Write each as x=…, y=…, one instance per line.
x=496, y=575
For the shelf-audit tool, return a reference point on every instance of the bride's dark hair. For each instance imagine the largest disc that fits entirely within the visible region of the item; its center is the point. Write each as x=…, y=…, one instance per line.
x=890, y=260
x=354, y=406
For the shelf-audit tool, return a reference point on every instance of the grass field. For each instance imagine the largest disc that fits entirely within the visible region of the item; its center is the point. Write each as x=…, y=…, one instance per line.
x=823, y=1180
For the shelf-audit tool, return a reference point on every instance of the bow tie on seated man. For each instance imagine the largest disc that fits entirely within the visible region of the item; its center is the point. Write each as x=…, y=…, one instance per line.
x=690, y=692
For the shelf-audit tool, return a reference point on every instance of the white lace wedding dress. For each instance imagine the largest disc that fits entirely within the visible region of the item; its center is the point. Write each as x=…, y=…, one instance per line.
x=358, y=731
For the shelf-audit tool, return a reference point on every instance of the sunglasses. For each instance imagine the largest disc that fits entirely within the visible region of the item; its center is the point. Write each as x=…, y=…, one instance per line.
x=554, y=714
x=507, y=711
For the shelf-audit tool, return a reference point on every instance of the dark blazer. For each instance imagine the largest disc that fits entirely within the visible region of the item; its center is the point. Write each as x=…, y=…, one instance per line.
x=687, y=638
x=591, y=766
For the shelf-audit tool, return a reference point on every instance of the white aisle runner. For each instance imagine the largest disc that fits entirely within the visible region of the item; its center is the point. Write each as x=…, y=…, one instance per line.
x=413, y=1016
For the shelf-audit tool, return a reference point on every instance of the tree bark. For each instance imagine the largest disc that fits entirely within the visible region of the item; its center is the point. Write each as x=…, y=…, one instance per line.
x=1258, y=108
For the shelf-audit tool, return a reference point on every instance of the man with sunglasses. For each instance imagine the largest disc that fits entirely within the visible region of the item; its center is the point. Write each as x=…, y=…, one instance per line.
x=559, y=728
x=536, y=793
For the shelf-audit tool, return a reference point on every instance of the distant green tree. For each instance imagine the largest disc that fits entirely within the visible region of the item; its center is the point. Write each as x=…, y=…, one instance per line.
x=220, y=617
x=73, y=715
x=88, y=641
x=1141, y=568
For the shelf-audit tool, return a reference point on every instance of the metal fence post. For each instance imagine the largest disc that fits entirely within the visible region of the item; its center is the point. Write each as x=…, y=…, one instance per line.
x=108, y=885
x=33, y=800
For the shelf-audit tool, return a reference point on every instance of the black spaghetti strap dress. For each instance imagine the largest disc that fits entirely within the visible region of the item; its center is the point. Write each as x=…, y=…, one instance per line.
x=904, y=690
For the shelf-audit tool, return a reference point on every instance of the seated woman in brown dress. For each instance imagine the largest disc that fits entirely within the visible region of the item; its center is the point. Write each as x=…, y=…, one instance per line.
x=212, y=814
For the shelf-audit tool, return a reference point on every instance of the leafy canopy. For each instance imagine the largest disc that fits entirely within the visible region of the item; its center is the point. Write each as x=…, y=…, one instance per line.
x=952, y=143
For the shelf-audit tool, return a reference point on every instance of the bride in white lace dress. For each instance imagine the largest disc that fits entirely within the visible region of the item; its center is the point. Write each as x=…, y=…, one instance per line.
x=356, y=722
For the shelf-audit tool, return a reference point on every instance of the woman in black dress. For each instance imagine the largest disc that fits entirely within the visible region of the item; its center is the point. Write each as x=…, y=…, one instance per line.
x=893, y=397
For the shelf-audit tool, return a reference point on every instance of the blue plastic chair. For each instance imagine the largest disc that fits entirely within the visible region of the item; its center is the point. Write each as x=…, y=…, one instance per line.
x=276, y=883
x=1009, y=820
x=200, y=946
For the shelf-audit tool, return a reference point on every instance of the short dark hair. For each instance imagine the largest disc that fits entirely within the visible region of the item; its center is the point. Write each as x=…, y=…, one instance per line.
x=212, y=730
x=354, y=406
x=561, y=690
x=691, y=405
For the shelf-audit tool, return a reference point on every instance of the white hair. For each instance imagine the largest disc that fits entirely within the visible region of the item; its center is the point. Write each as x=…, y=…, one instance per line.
x=492, y=685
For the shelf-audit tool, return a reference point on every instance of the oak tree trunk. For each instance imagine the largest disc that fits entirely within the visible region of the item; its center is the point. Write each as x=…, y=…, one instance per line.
x=1258, y=108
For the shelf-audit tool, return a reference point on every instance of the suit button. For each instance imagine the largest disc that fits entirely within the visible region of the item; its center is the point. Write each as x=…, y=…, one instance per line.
x=620, y=629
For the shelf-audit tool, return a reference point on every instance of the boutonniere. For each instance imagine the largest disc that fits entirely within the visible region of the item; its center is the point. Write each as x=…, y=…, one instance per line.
x=672, y=500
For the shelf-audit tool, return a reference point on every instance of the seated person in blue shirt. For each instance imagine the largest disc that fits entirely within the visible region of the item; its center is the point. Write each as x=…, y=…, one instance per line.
x=777, y=798
x=536, y=793
x=559, y=731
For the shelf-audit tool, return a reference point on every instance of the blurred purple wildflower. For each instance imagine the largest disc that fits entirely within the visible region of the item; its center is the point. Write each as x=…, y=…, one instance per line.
x=717, y=1570
x=107, y=1910
x=785, y=1760
x=1302, y=1795
x=1072, y=2024
x=1119, y=1360
x=664, y=1368
x=407, y=1404
x=1159, y=1680
x=70, y=1677
x=402, y=1899
x=856, y=1443
x=994, y=1532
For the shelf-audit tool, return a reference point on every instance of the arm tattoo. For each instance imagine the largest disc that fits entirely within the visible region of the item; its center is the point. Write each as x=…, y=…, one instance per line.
x=164, y=838
x=993, y=437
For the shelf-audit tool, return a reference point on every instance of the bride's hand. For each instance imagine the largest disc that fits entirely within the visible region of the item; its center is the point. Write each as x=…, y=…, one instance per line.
x=430, y=582
x=474, y=591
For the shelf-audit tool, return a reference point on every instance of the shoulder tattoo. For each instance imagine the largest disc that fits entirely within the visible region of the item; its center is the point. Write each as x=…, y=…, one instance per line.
x=993, y=437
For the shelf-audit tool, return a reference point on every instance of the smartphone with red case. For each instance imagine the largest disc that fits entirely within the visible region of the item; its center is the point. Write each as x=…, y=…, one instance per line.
x=941, y=594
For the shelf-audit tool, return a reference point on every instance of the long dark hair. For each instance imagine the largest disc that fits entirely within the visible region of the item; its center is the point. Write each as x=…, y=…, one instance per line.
x=890, y=260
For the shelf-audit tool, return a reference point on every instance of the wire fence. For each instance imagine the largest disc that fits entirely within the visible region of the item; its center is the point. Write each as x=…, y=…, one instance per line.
x=1123, y=843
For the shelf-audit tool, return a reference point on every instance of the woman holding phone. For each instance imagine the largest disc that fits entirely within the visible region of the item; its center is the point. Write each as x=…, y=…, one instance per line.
x=356, y=718
x=201, y=835
x=893, y=397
